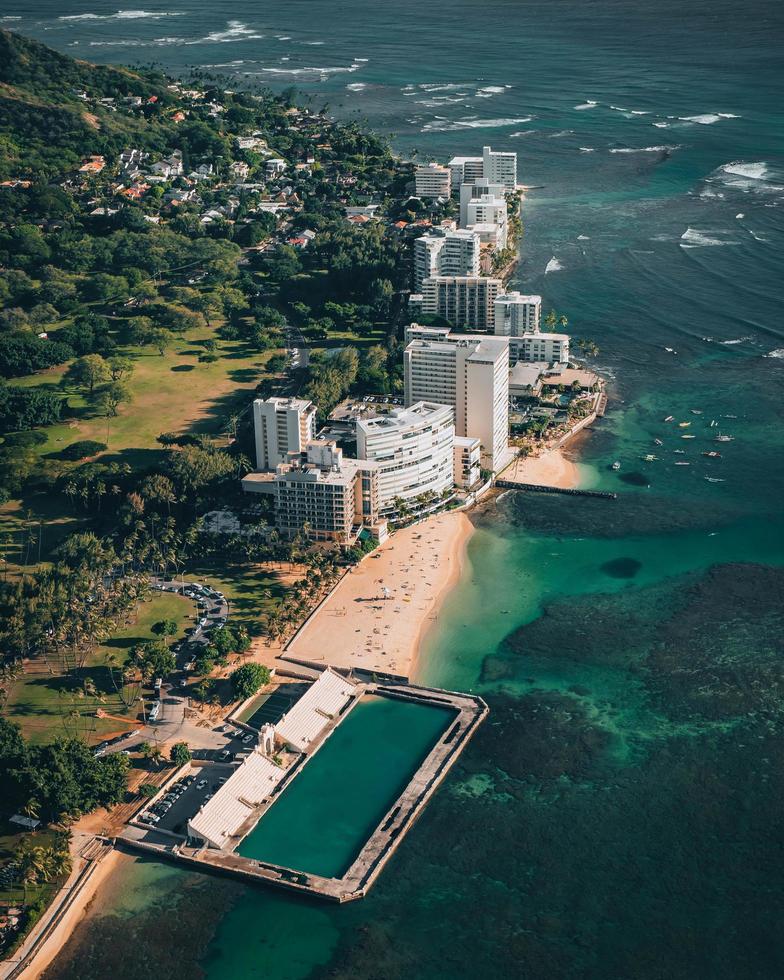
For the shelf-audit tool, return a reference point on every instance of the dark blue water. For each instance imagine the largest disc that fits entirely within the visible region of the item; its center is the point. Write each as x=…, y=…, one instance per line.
x=618, y=815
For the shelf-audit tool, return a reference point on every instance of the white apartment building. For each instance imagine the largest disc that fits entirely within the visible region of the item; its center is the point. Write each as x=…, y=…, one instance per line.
x=499, y=167
x=465, y=169
x=470, y=373
x=324, y=495
x=450, y=253
x=516, y=314
x=494, y=166
x=274, y=167
x=476, y=188
x=467, y=461
x=489, y=210
x=465, y=301
x=550, y=347
x=281, y=426
x=433, y=180
x=413, y=449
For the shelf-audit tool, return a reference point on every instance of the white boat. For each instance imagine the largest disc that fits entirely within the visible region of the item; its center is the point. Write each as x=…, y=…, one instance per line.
x=714, y=479
x=616, y=465
x=721, y=438
x=658, y=442
x=695, y=411
x=669, y=418
x=687, y=437
x=684, y=425
x=679, y=451
x=648, y=458
x=681, y=462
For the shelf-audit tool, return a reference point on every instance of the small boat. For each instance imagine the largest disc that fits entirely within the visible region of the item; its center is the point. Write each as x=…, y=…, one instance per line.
x=616, y=465
x=669, y=418
x=714, y=479
x=684, y=425
x=688, y=437
x=648, y=458
x=658, y=442
x=712, y=454
x=679, y=451
x=721, y=438
x=670, y=350
x=714, y=423
x=729, y=416
x=681, y=462
x=695, y=411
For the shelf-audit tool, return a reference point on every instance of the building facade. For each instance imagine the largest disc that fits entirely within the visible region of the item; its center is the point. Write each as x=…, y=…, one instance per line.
x=490, y=210
x=433, y=180
x=465, y=301
x=473, y=189
x=450, y=253
x=550, y=347
x=470, y=373
x=281, y=426
x=497, y=167
x=467, y=462
x=500, y=167
x=325, y=496
x=465, y=169
x=516, y=314
x=413, y=449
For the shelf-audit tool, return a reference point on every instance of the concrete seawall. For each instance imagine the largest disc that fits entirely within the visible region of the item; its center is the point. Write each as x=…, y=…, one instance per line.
x=470, y=711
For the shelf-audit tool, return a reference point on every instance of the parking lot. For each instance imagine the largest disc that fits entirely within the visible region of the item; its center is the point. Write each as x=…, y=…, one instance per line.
x=184, y=798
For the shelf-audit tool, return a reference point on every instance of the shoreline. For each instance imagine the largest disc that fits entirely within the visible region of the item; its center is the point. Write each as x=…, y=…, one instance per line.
x=398, y=591
x=75, y=913
x=550, y=468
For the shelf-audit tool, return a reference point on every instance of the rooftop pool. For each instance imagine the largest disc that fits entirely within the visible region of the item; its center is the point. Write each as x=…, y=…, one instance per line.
x=323, y=819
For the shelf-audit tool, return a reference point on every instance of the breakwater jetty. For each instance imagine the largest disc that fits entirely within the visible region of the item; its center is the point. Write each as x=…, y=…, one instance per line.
x=569, y=491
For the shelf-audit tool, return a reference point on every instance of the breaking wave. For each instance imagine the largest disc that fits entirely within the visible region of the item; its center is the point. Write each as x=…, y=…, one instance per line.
x=126, y=15
x=694, y=238
x=446, y=126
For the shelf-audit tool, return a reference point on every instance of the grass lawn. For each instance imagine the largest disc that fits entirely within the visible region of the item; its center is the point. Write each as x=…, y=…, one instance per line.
x=36, y=703
x=246, y=588
x=171, y=393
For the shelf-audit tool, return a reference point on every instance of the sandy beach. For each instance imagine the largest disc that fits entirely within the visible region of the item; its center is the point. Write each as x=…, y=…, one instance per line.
x=75, y=912
x=550, y=469
x=377, y=615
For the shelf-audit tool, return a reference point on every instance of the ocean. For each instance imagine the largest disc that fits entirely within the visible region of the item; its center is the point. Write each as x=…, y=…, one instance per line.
x=617, y=816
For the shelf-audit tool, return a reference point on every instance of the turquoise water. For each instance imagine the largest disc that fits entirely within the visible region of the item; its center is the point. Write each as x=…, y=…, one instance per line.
x=617, y=815
x=326, y=815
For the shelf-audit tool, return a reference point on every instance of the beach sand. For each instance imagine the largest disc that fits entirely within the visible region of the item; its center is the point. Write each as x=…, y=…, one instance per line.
x=362, y=625
x=47, y=953
x=551, y=469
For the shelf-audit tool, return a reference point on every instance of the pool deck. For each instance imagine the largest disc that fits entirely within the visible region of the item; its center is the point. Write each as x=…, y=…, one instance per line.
x=470, y=711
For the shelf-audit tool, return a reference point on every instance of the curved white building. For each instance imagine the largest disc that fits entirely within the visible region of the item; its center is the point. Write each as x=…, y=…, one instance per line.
x=413, y=449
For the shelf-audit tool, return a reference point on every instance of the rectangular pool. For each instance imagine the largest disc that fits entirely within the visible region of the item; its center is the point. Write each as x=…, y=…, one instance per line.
x=324, y=818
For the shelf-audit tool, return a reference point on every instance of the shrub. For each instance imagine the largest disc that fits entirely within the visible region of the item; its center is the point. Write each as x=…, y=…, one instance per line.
x=83, y=448
x=24, y=440
x=246, y=680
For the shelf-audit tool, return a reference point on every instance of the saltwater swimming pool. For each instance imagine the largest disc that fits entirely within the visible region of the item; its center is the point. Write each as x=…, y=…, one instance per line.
x=323, y=819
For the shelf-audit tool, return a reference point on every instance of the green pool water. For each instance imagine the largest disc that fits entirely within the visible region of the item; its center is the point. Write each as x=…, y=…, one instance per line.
x=324, y=817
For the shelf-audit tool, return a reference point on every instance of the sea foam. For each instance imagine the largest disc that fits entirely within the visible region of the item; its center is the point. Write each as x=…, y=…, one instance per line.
x=694, y=238
x=445, y=126
x=126, y=15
